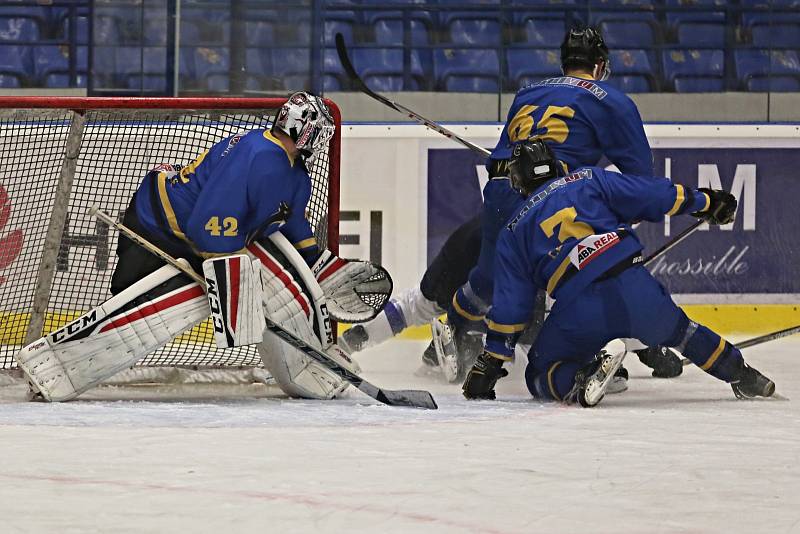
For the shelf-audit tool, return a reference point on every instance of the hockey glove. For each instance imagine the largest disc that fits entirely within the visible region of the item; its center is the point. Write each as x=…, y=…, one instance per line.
x=720, y=210
x=483, y=376
x=356, y=291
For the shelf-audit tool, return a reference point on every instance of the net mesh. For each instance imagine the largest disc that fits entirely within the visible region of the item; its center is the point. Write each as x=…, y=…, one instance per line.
x=117, y=148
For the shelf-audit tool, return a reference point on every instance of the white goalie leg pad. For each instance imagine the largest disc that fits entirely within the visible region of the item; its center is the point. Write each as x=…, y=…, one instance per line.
x=113, y=336
x=287, y=304
x=234, y=296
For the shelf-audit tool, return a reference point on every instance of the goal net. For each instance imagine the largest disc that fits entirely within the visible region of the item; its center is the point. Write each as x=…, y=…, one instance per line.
x=59, y=157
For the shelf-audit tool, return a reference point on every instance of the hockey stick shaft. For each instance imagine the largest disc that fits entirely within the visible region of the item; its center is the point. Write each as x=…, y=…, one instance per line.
x=412, y=398
x=753, y=341
x=341, y=49
x=674, y=241
x=768, y=337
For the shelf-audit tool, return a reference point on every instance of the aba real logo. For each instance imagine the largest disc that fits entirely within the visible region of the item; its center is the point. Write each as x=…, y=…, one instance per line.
x=11, y=243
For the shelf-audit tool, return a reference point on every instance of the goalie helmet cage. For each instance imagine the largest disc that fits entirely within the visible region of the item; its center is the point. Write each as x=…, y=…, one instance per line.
x=60, y=156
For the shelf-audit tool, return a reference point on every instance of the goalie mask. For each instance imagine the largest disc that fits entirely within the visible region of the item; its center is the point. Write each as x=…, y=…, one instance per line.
x=585, y=48
x=531, y=165
x=308, y=121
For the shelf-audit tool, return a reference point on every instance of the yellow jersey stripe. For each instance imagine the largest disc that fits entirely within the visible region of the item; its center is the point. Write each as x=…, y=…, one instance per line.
x=680, y=196
x=559, y=272
x=506, y=328
x=714, y=355
x=464, y=313
x=305, y=243
x=708, y=202
x=189, y=169
x=550, y=384
x=269, y=137
x=500, y=356
x=172, y=220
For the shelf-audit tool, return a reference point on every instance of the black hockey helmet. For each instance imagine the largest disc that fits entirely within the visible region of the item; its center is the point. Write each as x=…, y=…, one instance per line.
x=532, y=164
x=585, y=48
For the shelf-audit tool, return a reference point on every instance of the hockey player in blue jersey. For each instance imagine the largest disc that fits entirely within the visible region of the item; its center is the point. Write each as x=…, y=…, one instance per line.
x=237, y=215
x=583, y=118
x=573, y=238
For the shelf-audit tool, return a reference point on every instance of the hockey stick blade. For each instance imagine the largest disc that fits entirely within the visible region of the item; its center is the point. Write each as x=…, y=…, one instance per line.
x=341, y=49
x=410, y=398
x=415, y=399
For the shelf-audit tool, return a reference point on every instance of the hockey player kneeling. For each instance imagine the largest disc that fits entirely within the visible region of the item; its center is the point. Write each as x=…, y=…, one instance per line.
x=572, y=237
x=241, y=204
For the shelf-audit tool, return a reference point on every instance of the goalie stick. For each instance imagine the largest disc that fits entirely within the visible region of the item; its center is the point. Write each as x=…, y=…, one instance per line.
x=411, y=398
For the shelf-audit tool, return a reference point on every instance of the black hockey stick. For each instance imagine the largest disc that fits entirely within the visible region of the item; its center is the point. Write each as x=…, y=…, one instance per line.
x=410, y=397
x=341, y=48
x=792, y=330
x=674, y=241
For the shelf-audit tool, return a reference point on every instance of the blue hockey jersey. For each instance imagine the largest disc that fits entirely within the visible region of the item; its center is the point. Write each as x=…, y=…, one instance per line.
x=568, y=234
x=582, y=120
x=243, y=187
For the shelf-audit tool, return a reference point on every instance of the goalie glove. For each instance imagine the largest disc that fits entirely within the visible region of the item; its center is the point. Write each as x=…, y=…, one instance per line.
x=721, y=207
x=356, y=291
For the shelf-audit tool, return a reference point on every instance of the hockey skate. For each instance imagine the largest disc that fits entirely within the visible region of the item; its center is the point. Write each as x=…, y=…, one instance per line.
x=752, y=383
x=456, y=349
x=619, y=383
x=664, y=362
x=592, y=381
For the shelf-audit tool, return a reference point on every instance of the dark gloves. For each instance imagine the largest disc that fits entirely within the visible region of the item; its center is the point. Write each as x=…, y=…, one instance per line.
x=721, y=209
x=484, y=374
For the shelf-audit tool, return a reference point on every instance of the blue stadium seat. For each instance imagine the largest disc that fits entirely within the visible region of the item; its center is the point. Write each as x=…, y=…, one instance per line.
x=767, y=12
x=469, y=70
x=390, y=32
x=384, y=67
x=775, y=84
x=81, y=30
x=104, y=65
x=711, y=34
x=694, y=70
x=632, y=34
x=629, y=11
x=632, y=71
x=681, y=11
x=777, y=34
x=475, y=31
x=146, y=68
x=526, y=66
x=212, y=66
x=191, y=34
x=155, y=30
x=18, y=29
x=51, y=65
x=546, y=32
x=9, y=81
x=756, y=64
x=15, y=62
x=260, y=33
x=420, y=16
x=291, y=67
x=105, y=30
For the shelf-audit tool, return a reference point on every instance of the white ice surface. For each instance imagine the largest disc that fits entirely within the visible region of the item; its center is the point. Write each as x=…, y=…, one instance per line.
x=667, y=456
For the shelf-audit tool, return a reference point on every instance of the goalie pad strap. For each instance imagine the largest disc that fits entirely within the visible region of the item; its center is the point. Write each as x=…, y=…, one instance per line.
x=269, y=263
x=234, y=297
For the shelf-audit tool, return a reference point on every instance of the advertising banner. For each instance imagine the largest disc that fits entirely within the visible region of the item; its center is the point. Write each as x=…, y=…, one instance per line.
x=757, y=254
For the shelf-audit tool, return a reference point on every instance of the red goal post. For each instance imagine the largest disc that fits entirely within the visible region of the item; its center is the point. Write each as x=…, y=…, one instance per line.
x=59, y=156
